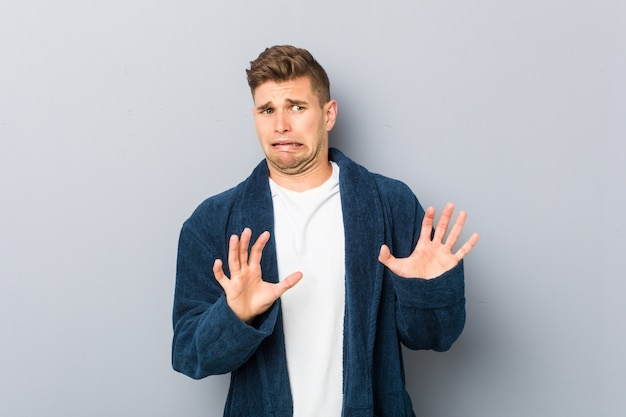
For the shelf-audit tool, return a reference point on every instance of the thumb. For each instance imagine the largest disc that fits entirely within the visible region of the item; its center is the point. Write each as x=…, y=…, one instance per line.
x=219, y=274
x=385, y=257
x=288, y=283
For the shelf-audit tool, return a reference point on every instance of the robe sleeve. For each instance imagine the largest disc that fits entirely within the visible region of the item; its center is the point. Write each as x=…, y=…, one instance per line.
x=208, y=337
x=430, y=314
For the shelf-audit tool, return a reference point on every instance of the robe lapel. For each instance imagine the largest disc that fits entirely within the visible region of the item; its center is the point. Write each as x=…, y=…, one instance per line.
x=364, y=233
x=256, y=212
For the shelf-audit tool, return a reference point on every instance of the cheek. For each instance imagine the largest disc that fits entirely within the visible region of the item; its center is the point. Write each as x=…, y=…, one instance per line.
x=312, y=126
x=261, y=126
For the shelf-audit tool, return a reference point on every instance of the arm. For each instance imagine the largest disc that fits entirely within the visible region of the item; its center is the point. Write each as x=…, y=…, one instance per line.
x=429, y=284
x=207, y=335
x=211, y=334
x=430, y=314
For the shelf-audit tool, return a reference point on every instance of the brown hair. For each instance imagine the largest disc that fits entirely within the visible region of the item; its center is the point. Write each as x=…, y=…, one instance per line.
x=286, y=62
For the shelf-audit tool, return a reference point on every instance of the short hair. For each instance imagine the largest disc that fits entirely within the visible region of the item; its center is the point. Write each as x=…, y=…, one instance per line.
x=284, y=63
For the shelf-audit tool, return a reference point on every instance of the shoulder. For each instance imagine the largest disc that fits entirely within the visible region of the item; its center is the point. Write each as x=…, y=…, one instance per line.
x=388, y=188
x=214, y=213
x=392, y=188
x=215, y=204
x=218, y=207
x=396, y=197
x=211, y=212
x=399, y=202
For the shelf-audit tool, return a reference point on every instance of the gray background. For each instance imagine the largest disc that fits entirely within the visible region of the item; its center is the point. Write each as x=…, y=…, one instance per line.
x=118, y=117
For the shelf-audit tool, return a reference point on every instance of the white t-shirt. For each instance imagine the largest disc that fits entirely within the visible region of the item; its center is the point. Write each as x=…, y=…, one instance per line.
x=308, y=229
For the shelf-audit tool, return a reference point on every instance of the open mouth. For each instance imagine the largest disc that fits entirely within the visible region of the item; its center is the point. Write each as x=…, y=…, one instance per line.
x=287, y=145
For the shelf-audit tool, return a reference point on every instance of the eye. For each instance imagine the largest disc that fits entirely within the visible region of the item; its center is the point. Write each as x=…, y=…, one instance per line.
x=268, y=110
x=297, y=108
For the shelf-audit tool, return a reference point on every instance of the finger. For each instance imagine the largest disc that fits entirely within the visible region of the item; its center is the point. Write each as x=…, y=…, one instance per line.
x=220, y=277
x=467, y=246
x=456, y=230
x=427, y=224
x=244, y=244
x=444, y=220
x=386, y=258
x=287, y=283
x=257, y=249
x=233, y=254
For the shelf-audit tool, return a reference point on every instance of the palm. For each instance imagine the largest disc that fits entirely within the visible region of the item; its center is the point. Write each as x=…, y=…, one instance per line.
x=432, y=257
x=246, y=292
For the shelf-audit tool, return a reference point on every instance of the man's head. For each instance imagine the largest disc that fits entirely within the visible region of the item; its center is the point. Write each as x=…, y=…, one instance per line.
x=293, y=114
x=285, y=63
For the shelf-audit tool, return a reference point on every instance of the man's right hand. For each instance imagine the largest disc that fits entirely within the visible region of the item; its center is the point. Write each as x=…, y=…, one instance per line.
x=246, y=292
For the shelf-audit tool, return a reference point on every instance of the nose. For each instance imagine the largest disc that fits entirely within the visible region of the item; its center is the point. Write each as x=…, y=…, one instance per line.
x=282, y=122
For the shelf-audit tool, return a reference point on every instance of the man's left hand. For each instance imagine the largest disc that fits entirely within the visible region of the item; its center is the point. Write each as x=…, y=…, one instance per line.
x=432, y=256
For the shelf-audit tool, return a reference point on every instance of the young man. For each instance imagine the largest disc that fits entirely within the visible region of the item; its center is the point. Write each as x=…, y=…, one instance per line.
x=288, y=280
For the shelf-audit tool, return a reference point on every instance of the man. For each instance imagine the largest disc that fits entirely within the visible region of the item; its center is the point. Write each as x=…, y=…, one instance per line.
x=288, y=280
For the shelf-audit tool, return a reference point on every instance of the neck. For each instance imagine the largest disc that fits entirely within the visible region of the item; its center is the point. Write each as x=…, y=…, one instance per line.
x=303, y=181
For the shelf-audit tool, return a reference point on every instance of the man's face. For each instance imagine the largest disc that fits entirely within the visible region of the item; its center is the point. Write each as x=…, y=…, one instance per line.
x=293, y=127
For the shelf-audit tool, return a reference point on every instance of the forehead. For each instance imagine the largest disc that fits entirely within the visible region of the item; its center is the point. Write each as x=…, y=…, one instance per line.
x=279, y=91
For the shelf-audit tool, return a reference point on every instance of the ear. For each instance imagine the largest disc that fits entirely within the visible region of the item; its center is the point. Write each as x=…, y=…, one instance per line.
x=330, y=110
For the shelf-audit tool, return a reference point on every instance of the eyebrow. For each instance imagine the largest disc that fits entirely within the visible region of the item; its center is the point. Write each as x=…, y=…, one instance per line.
x=265, y=106
x=296, y=102
x=291, y=102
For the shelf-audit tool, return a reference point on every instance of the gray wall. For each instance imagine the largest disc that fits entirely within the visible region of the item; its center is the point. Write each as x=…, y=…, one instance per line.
x=118, y=117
